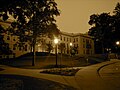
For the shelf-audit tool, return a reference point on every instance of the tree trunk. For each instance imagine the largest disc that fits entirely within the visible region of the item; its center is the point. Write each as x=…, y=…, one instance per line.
x=33, y=60
x=102, y=48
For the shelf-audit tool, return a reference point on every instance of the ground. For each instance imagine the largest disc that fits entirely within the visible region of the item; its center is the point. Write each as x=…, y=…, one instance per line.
x=47, y=64
x=17, y=82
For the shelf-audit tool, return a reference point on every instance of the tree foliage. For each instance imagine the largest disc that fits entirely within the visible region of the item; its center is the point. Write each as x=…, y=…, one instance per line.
x=105, y=29
x=32, y=18
x=49, y=47
x=4, y=47
x=61, y=47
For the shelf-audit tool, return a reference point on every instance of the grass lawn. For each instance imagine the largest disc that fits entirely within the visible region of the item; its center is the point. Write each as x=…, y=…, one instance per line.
x=49, y=62
x=17, y=82
x=44, y=62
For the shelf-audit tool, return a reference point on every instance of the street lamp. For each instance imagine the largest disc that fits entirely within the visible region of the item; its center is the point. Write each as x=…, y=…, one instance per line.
x=70, y=44
x=56, y=42
x=117, y=43
x=70, y=48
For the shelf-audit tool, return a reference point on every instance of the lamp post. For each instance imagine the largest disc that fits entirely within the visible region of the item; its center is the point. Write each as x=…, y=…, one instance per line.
x=117, y=43
x=70, y=48
x=56, y=42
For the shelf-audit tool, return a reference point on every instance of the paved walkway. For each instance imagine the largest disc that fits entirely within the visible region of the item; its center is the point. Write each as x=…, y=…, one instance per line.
x=87, y=78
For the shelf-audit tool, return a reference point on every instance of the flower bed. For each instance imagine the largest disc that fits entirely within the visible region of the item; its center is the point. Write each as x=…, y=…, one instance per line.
x=65, y=72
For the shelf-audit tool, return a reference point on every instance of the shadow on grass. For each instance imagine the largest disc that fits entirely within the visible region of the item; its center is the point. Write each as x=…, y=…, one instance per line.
x=17, y=82
x=54, y=66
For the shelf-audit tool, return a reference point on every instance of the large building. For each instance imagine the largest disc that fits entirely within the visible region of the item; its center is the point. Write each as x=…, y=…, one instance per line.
x=82, y=44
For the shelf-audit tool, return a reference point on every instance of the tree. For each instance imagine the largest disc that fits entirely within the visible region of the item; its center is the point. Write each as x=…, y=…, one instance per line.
x=32, y=18
x=61, y=47
x=49, y=47
x=74, y=50
x=4, y=47
x=116, y=23
x=101, y=29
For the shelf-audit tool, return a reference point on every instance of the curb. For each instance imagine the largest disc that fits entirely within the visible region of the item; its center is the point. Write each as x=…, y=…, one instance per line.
x=98, y=70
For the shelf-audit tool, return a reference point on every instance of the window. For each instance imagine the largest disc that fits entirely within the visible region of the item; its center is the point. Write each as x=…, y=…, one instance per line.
x=67, y=45
x=74, y=39
x=70, y=39
x=61, y=38
x=64, y=38
x=77, y=45
x=74, y=45
x=83, y=45
x=90, y=41
x=77, y=39
x=84, y=52
x=87, y=41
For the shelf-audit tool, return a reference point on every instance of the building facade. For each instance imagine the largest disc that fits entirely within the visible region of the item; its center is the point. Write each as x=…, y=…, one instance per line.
x=82, y=44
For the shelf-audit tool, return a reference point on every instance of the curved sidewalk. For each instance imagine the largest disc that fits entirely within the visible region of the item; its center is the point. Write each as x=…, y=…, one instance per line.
x=86, y=78
x=89, y=77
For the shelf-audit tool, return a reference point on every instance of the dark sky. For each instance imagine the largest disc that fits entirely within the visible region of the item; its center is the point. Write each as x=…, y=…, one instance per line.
x=75, y=13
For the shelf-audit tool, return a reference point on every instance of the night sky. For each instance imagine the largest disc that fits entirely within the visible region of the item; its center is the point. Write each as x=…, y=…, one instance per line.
x=75, y=13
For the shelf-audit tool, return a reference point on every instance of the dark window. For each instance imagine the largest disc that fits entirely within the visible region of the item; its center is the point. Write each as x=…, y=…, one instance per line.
x=83, y=40
x=74, y=39
x=67, y=39
x=61, y=37
x=70, y=39
x=77, y=39
x=67, y=45
x=83, y=45
x=64, y=38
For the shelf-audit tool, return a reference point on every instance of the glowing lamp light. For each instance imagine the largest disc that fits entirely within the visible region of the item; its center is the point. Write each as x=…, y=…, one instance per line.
x=56, y=41
x=70, y=44
x=117, y=42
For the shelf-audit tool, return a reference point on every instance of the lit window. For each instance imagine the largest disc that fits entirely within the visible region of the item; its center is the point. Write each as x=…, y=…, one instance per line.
x=67, y=39
x=83, y=40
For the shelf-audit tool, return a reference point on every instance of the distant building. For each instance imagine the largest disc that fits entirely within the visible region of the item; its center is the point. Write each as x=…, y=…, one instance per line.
x=83, y=43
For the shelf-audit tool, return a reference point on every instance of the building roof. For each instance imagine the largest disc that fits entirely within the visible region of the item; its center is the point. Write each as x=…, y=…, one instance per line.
x=75, y=34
